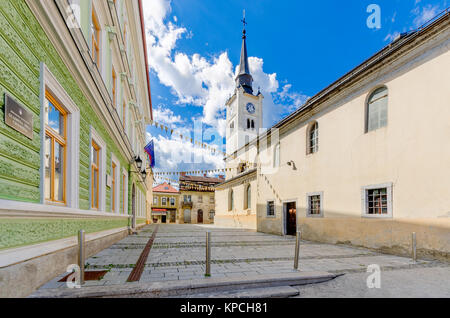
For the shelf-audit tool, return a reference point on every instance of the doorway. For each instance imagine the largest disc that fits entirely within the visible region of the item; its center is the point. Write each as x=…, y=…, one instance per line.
x=187, y=216
x=200, y=216
x=291, y=218
x=163, y=219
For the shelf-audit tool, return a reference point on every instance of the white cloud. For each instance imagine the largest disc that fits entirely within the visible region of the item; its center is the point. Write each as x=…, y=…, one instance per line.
x=174, y=153
x=200, y=81
x=164, y=115
x=391, y=36
x=425, y=14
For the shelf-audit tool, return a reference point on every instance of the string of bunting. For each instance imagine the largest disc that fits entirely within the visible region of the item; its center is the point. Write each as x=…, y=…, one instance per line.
x=165, y=173
x=190, y=185
x=166, y=129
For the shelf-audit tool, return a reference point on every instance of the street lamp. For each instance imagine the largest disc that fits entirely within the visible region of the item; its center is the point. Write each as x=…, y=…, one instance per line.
x=144, y=174
x=138, y=161
x=292, y=163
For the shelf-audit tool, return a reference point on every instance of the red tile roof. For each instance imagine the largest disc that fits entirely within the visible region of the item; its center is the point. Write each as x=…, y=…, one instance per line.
x=165, y=188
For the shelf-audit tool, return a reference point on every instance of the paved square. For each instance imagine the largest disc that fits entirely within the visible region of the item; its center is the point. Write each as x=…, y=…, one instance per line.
x=178, y=253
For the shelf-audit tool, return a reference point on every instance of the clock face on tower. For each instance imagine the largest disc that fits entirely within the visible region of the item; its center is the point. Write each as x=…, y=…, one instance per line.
x=251, y=108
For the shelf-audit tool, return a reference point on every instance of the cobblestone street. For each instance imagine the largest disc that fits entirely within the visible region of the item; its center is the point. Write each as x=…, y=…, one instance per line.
x=178, y=253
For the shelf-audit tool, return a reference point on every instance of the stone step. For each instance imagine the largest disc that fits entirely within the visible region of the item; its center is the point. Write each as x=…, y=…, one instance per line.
x=266, y=292
x=188, y=287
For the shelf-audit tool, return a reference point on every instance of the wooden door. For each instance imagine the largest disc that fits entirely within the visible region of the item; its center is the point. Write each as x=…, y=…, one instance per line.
x=200, y=216
x=291, y=218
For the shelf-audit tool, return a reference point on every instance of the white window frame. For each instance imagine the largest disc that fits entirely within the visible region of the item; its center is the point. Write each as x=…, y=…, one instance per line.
x=155, y=198
x=94, y=136
x=367, y=106
x=117, y=184
x=312, y=150
x=162, y=201
x=365, y=202
x=50, y=83
x=277, y=155
x=274, y=209
x=308, y=205
x=125, y=200
x=170, y=201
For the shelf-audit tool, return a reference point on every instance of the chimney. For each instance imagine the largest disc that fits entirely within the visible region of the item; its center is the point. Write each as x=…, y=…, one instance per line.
x=183, y=174
x=205, y=174
x=222, y=177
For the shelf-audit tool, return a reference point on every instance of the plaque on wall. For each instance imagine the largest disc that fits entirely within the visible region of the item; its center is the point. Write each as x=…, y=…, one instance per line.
x=17, y=117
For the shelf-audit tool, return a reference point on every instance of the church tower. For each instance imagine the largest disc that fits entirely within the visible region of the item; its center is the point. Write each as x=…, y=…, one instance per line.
x=244, y=108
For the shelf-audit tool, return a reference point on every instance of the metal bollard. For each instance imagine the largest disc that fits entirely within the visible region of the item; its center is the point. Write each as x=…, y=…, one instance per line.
x=414, y=247
x=81, y=254
x=208, y=254
x=297, y=250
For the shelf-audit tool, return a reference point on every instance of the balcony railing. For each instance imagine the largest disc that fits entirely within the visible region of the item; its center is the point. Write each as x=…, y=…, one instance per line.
x=187, y=204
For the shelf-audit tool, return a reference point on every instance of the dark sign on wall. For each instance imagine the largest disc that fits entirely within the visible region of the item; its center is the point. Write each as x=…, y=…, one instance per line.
x=17, y=117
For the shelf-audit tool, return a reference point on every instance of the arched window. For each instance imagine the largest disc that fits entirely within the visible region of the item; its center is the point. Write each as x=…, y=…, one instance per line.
x=313, y=138
x=248, y=197
x=276, y=156
x=253, y=124
x=376, y=110
x=231, y=201
x=248, y=123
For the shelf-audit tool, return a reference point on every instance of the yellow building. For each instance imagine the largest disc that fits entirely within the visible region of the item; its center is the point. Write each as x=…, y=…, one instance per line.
x=197, y=199
x=164, y=204
x=365, y=161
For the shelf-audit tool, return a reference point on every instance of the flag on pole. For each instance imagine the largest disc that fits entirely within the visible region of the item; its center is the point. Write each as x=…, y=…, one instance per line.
x=150, y=150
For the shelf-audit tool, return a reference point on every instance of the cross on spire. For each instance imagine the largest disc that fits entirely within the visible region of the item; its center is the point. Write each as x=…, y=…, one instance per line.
x=244, y=22
x=244, y=79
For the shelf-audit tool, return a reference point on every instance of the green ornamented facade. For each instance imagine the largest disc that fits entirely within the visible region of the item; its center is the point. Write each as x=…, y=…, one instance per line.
x=35, y=39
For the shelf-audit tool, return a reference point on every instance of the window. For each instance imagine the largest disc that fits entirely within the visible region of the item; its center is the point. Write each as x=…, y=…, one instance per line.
x=231, y=201
x=95, y=29
x=55, y=151
x=253, y=124
x=172, y=201
x=376, y=111
x=200, y=199
x=232, y=127
x=313, y=138
x=248, y=198
x=155, y=200
x=248, y=123
x=114, y=87
x=187, y=198
x=125, y=36
x=164, y=201
x=211, y=199
x=124, y=193
x=60, y=141
x=95, y=167
x=314, y=204
x=276, y=156
x=211, y=215
x=377, y=200
x=113, y=187
x=124, y=114
x=270, y=208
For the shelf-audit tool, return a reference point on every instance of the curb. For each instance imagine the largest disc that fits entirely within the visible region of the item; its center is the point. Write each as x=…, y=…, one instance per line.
x=187, y=287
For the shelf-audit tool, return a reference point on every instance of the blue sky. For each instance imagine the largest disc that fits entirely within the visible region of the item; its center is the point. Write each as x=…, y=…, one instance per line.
x=296, y=48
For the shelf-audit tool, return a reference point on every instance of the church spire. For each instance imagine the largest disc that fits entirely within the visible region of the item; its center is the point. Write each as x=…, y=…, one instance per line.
x=244, y=78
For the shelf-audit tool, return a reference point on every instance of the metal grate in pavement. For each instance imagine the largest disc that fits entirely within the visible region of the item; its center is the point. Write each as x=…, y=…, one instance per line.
x=92, y=275
x=136, y=273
